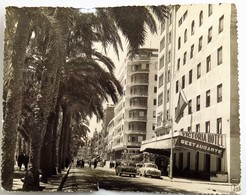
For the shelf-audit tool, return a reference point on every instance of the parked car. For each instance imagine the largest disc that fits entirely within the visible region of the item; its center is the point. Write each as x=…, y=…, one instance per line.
x=150, y=169
x=126, y=168
x=138, y=166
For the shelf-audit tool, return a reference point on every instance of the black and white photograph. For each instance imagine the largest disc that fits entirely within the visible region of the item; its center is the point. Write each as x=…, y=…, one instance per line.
x=140, y=98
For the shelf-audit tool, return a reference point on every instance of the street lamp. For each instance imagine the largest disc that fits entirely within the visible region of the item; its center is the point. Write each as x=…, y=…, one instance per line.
x=169, y=124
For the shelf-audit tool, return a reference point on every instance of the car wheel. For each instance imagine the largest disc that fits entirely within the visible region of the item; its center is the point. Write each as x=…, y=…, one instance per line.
x=145, y=174
x=134, y=175
x=120, y=174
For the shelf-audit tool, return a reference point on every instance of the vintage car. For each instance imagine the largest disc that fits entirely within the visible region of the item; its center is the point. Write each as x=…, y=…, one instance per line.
x=150, y=169
x=126, y=168
x=139, y=165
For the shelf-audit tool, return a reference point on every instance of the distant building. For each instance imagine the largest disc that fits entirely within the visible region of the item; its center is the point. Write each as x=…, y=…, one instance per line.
x=135, y=112
x=198, y=59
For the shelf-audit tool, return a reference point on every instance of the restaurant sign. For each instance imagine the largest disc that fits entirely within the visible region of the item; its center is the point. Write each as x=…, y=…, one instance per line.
x=201, y=142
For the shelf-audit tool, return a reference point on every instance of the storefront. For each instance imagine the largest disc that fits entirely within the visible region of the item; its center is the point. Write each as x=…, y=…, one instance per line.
x=195, y=154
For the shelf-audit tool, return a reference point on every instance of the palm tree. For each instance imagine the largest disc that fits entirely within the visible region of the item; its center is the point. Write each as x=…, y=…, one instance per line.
x=13, y=95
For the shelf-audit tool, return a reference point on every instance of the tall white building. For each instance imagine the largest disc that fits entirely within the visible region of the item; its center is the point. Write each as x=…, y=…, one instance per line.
x=135, y=112
x=198, y=59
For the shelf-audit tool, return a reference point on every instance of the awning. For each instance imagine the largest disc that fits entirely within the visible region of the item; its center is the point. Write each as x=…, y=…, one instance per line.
x=161, y=147
x=201, y=143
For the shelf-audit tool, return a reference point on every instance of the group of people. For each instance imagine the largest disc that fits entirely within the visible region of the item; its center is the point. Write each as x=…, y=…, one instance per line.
x=81, y=163
x=22, y=159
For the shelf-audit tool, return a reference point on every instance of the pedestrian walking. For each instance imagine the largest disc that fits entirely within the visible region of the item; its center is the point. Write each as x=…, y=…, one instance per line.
x=26, y=161
x=20, y=160
x=82, y=163
x=95, y=163
x=90, y=164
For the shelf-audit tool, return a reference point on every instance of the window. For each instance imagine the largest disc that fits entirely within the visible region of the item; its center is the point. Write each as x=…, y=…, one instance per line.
x=161, y=62
x=210, y=9
x=160, y=80
x=200, y=44
x=219, y=93
x=169, y=37
x=190, y=76
x=189, y=107
x=179, y=42
x=198, y=70
x=221, y=21
x=177, y=86
x=183, y=82
x=180, y=22
x=162, y=43
x=193, y=27
x=189, y=129
x=210, y=34
x=184, y=59
x=208, y=63
x=185, y=15
x=201, y=18
x=154, y=102
x=185, y=35
x=197, y=127
x=208, y=98
x=154, y=114
x=153, y=127
x=160, y=99
x=168, y=75
x=219, y=125
x=198, y=103
x=170, y=19
x=178, y=64
x=169, y=56
x=163, y=25
x=207, y=127
x=192, y=51
x=168, y=95
x=219, y=56
x=155, y=89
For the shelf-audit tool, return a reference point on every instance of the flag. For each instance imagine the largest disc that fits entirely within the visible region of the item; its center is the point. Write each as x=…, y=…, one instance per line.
x=182, y=103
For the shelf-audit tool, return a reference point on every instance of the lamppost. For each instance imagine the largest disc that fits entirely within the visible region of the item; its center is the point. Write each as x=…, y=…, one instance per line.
x=169, y=124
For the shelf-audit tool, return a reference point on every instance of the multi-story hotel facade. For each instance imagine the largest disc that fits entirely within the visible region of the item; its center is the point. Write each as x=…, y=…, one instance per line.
x=198, y=65
x=135, y=112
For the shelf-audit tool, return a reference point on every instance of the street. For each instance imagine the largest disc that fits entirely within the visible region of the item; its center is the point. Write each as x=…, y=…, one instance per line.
x=89, y=180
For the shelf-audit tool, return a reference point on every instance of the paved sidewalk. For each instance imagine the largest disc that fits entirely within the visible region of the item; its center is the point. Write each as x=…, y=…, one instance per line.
x=51, y=186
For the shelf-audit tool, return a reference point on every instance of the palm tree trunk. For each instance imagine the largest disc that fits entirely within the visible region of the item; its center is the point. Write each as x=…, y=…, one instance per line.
x=46, y=150
x=54, y=141
x=13, y=102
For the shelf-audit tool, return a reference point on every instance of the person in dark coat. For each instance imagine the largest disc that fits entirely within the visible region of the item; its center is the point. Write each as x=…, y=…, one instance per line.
x=25, y=161
x=95, y=163
x=20, y=160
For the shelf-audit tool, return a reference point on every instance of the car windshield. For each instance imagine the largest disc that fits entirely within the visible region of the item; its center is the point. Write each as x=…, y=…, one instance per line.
x=151, y=166
x=139, y=165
